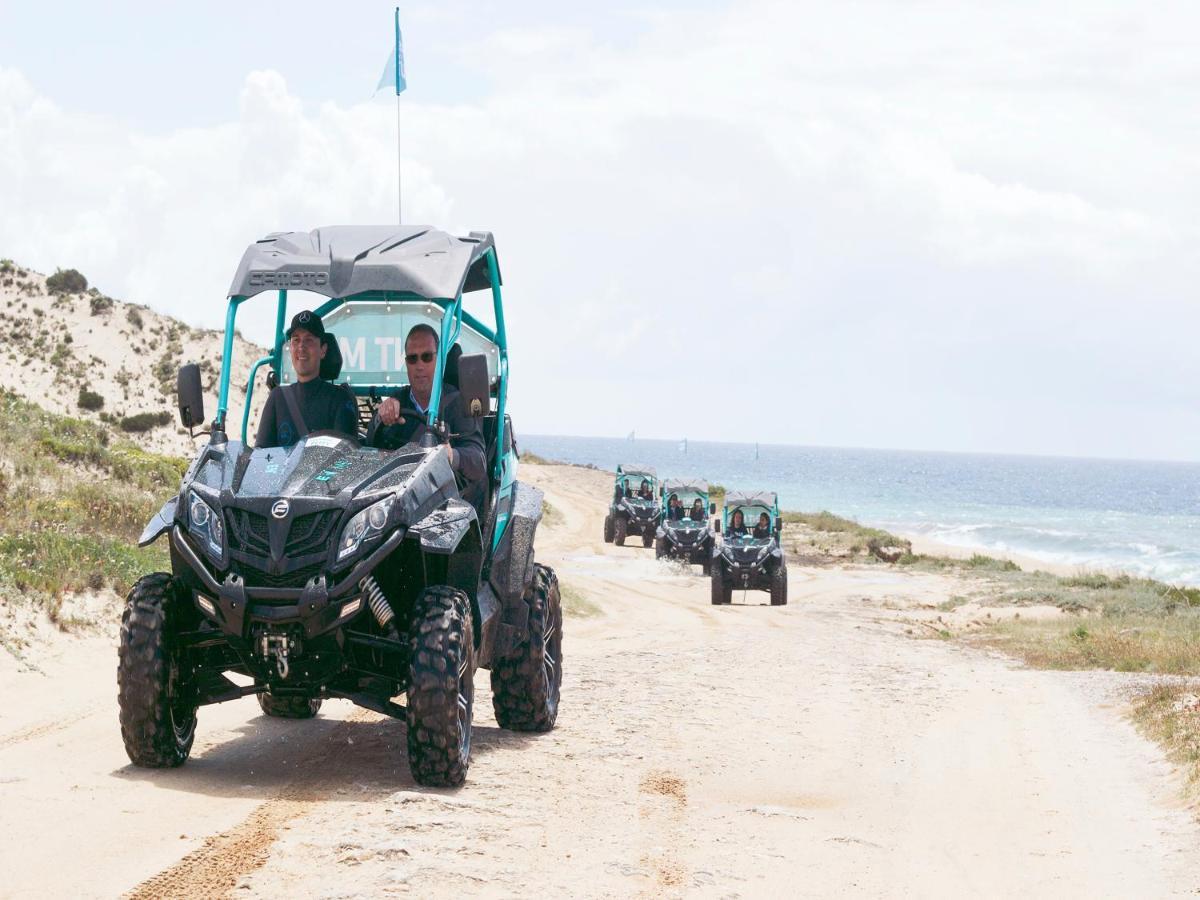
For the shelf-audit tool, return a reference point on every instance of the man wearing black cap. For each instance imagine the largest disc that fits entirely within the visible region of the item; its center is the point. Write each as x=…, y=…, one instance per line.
x=312, y=404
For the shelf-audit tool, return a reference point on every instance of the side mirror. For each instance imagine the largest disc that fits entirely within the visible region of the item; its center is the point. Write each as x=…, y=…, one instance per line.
x=712, y=509
x=717, y=527
x=190, y=393
x=474, y=384
x=273, y=380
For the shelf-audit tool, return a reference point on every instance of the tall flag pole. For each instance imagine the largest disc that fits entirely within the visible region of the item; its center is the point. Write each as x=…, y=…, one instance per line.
x=393, y=76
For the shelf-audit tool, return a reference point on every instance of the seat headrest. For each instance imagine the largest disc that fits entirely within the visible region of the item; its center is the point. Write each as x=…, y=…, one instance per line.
x=331, y=365
x=450, y=375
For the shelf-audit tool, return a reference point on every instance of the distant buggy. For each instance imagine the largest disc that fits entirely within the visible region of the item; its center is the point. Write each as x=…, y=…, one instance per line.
x=634, y=506
x=747, y=562
x=686, y=535
x=331, y=569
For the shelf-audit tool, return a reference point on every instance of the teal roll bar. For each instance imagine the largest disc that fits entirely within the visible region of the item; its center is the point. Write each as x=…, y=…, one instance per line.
x=226, y=357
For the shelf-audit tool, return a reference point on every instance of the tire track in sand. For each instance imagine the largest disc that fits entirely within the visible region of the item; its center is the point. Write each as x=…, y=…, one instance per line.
x=214, y=869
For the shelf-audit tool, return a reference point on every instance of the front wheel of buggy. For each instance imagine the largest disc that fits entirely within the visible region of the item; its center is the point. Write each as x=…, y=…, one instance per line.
x=441, y=690
x=526, y=682
x=647, y=538
x=722, y=593
x=620, y=527
x=660, y=548
x=158, y=718
x=288, y=707
x=779, y=587
x=608, y=529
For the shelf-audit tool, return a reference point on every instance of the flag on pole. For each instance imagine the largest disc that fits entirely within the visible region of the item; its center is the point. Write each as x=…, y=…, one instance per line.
x=393, y=72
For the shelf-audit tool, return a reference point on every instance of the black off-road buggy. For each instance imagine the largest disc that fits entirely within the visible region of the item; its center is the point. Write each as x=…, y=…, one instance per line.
x=685, y=537
x=332, y=569
x=634, y=507
x=746, y=562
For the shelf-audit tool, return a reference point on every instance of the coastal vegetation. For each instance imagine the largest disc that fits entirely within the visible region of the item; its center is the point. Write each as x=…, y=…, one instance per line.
x=73, y=499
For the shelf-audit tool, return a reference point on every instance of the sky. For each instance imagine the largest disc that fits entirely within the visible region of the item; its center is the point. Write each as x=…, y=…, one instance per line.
x=924, y=224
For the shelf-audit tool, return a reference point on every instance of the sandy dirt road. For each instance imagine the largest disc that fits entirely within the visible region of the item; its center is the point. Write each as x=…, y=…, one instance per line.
x=741, y=751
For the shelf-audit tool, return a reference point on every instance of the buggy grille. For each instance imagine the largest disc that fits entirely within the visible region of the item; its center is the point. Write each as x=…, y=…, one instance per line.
x=248, y=532
x=311, y=533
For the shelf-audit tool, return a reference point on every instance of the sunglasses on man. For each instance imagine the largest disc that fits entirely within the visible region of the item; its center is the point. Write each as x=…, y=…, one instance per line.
x=426, y=357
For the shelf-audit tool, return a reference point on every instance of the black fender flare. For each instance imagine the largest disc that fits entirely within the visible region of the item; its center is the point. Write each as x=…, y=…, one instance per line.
x=160, y=524
x=511, y=570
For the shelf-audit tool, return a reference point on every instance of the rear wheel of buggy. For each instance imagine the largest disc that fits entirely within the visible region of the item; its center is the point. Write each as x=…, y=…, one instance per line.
x=647, y=538
x=779, y=587
x=288, y=707
x=441, y=691
x=158, y=714
x=722, y=593
x=619, y=529
x=608, y=529
x=526, y=682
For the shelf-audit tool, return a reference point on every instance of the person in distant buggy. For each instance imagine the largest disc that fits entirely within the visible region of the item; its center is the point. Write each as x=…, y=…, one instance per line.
x=697, y=513
x=737, y=524
x=644, y=491
x=674, y=508
x=763, y=528
x=312, y=403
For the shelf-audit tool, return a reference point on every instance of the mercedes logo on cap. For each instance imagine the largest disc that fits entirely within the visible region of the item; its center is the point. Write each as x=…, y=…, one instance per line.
x=281, y=509
x=305, y=316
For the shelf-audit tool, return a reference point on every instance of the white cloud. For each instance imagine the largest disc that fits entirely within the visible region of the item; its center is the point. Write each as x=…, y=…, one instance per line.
x=848, y=195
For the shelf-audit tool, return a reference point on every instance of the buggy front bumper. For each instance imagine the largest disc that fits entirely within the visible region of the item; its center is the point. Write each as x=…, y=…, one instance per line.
x=317, y=607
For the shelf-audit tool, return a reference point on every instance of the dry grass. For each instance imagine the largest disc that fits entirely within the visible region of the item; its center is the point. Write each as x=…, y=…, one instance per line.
x=575, y=604
x=1169, y=714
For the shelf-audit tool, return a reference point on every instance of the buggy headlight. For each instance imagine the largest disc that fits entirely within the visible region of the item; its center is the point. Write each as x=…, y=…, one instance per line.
x=205, y=523
x=366, y=525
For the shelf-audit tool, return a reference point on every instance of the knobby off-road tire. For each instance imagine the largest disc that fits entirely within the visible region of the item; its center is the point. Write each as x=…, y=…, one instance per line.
x=647, y=538
x=620, y=526
x=660, y=548
x=779, y=586
x=722, y=594
x=288, y=707
x=158, y=722
x=441, y=692
x=526, y=683
x=608, y=529
x=706, y=562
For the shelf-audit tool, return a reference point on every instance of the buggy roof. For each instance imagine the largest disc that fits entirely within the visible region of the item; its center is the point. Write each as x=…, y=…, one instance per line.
x=636, y=469
x=695, y=485
x=750, y=498
x=344, y=260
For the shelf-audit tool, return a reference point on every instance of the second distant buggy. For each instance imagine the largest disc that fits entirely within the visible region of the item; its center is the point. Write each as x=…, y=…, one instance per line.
x=634, y=508
x=685, y=532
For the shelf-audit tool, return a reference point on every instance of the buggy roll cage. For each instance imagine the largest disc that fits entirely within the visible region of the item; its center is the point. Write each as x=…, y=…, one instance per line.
x=452, y=321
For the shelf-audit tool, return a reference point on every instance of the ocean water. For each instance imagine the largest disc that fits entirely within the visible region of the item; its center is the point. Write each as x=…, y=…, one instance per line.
x=1139, y=516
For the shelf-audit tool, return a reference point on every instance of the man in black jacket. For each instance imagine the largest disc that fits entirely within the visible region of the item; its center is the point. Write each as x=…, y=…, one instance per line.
x=390, y=430
x=312, y=404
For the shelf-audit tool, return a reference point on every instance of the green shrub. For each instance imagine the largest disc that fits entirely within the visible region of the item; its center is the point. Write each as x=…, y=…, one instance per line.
x=145, y=421
x=90, y=400
x=100, y=304
x=67, y=281
x=134, y=317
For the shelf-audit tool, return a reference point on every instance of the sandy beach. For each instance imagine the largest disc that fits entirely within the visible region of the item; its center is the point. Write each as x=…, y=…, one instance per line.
x=815, y=749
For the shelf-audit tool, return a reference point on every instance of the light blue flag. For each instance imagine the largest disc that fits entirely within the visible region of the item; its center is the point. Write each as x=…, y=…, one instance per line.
x=393, y=72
